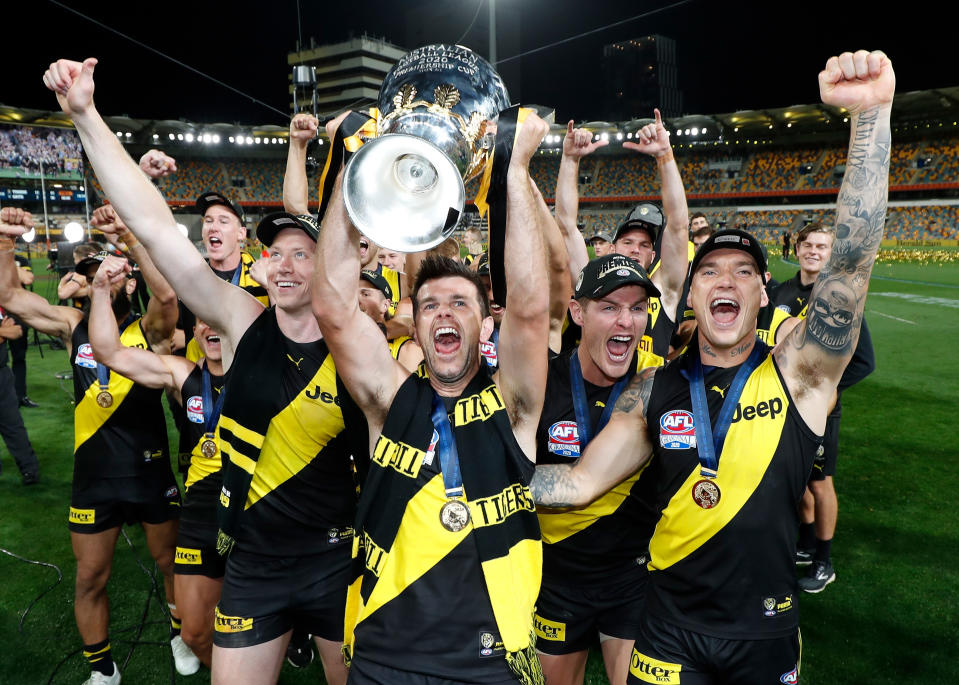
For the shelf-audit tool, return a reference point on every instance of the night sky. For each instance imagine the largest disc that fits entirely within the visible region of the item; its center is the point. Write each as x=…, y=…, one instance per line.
x=731, y=55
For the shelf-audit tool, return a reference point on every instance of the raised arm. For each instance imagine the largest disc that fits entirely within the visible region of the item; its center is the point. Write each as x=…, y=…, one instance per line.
x=577, y=144
x=524, y=332
x=161, y=315
x=32, y=309
x=72, y=285
x=817, y=351
x=617, y=452
x=674, y=248
x=560, y=280
x=140, y=366
x=296, y=194
x=225, y=307
x=359, y=348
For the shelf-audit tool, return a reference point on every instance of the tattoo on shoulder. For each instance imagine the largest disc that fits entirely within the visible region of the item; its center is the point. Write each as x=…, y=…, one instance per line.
x=637, y=391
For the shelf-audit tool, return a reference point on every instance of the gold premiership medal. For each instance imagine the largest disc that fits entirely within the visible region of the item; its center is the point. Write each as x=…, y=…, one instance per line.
x=706, y=494
x=104, y=398
x=208, y=448
x=454, y=515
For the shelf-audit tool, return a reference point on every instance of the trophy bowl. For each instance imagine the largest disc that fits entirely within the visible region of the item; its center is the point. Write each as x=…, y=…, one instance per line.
x=436, y=125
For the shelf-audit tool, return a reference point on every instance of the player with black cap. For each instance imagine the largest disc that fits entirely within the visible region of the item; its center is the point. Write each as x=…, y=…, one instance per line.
x=121, y=459
x=288, y=495
x=735, y=429
x=645, y=224
x=594, y=573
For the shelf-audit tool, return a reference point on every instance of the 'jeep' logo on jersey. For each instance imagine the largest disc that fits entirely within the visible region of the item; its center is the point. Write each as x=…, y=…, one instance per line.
x=317, y=393
x=763, y=409
x=564, y=439
x=84, y=357
x=194, y=409
x=677, y=431
x=488, y=350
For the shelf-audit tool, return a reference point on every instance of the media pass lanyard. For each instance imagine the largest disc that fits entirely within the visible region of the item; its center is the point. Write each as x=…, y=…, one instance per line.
x=709, y=438
x=454, y=515
x=584, y=427
x=211, y=414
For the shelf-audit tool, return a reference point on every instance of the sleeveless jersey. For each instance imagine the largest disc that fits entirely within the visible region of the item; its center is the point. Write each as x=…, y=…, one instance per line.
x=302, y=488
x=728, y=571
x=204, y=478
x=659, y=330
x=605, y=538
x=128, y=439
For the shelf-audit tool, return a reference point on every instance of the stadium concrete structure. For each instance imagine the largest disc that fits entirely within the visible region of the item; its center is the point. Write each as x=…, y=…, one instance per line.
x=765, y=170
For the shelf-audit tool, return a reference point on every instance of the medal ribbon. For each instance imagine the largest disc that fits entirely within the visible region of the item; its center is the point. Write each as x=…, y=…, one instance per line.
x=103, y=376
x=578, y=386
x=709, y=442
x=211, y=411
x=449, y=458
x=236, y=277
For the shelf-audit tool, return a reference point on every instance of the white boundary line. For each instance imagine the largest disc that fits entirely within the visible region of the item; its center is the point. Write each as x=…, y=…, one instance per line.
x=890, y=316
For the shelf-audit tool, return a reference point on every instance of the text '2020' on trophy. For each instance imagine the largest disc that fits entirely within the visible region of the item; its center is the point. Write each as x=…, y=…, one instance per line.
x=435, y=129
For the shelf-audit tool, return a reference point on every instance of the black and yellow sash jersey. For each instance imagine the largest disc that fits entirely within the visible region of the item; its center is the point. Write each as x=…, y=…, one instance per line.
x=427, y=599
x=393, y=278
x=246, y=282
x=604, y=539
x=128, y=439
x=728, y=571
x=302, y=482
x=204, y=477
x=570, y=335
x=790, y=296
x=396, y=344
x=659, y=330
x=768, y=321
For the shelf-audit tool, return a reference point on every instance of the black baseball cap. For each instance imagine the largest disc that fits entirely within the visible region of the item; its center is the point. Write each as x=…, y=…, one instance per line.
x=272, y=224
x=207, y=200
x=732, y=239
x=646, y=216
x=603, y=275
x=600, y=235
x=88, y=266
x=378, y=281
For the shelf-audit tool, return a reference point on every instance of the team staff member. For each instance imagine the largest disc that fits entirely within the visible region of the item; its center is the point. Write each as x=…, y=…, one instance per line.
x=198, y=569
x=428, y=539
x=638, y=233
x=594, y=573
x=820, y=507
x=721, y=605
x=11, y=423
x=288, y=496
x=121, y=460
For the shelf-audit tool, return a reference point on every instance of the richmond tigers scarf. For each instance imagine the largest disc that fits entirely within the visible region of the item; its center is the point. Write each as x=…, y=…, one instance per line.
x=254, y=383
x=507, y=536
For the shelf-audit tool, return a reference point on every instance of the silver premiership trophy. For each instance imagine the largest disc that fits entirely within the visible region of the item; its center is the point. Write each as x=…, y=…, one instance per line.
x=438, y=108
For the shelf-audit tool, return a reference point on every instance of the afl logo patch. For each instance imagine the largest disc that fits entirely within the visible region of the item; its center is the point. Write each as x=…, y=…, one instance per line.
x=790, y=678
x=488, y=350
x=622, y=272
x=677, y=431
x=84, y=357
x=194, y=409
x=564, y=439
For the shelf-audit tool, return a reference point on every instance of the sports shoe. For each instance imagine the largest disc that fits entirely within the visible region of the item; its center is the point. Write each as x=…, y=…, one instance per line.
x=299, y=653
x=820, y=574
x=97, y=678
x=184, y=658
x=804, y=557
x=27, y=402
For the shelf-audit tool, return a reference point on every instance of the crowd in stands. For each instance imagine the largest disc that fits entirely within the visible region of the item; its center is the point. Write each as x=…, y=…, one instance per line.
x=28, y=147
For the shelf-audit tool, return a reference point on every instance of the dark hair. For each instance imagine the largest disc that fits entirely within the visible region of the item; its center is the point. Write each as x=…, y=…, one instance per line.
x=813, y=227
x=698, y=215
x=703, y=232
x=435, y=266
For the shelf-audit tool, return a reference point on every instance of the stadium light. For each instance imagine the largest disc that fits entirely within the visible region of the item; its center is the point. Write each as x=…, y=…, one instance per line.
x=695, y=131
x=736, y=130
x=249, y=140
x=257, y=139
x=320, y=141
x=179, y=136
x=605, y=136
x=128, y=134
x=619, y=136
x=239, y=141
x=172, y=137
x=703, y=130
x=770, y=127
x=119, y=134
x=232, y=139
x=156, y=136
x=183, y=229
x=30, y=235
x=679, y=132
x=273, y=140
x=686, y=132
x=189, y=137
x=216, y=138
x=629, y=136
x=73, y=232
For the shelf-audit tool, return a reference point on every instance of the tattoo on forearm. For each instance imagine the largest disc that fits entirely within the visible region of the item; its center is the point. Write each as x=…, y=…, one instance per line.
x=636, y=392
x=838, y=299
x=552, y=486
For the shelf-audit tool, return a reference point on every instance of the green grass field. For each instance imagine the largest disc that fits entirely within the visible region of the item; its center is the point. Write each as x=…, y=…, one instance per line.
x=892, y=616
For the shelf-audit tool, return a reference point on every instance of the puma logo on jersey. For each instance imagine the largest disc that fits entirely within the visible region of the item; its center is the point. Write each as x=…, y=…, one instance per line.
x=721, y=391
x=297, y=362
